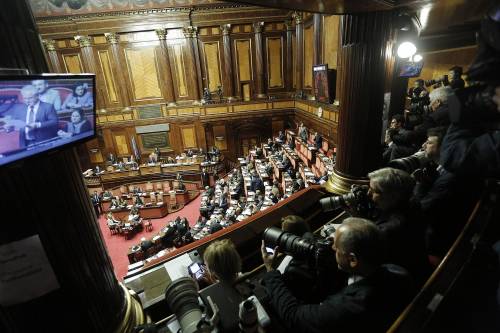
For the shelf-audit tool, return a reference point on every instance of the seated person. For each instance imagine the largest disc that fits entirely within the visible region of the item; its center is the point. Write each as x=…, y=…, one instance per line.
x=115, y=203
x=146, y=244
x=223, y=261
x=79, y=124
x=133, y=216
x=138, y=200
x=323, y=179
x=112, y=221
x=370, y=302
x=122, y=203
x=281, y=137
x=80, y=98
x=107, y=194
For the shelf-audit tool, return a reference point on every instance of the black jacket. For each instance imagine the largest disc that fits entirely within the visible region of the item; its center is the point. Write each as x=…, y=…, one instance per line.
x=368, y=305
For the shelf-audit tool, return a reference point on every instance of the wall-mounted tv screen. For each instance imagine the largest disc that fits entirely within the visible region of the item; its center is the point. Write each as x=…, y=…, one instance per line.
x=39, y=113
x=411, y=69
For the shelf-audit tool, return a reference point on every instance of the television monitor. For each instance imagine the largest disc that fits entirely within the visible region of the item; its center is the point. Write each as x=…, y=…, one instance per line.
x=324, y=83
x=43, y=112
x=411, y=69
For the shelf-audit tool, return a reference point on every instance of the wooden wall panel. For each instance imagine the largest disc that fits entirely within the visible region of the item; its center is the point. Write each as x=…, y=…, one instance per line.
x=330, y=39
x=72, y=63
x=109, y=79
x=274, y=50
x=179, y=68
x=121, y=144
x=212, y=63
x=142, y=69
x=220, y=137
x=308, y=56
x=188, y=135
x=244, y=59
x=277, y=126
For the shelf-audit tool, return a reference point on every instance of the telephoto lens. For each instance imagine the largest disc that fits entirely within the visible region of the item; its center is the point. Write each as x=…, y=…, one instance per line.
x=288, y=243
x=182, y=298
x=331, y=203
x=249, y=321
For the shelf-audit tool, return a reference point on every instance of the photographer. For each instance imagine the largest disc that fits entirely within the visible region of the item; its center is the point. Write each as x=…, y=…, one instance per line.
x=372, y=299
x=398, y=219
x=445, y=206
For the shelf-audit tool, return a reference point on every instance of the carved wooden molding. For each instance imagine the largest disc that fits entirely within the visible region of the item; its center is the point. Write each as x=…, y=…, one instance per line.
x=298, y=18
x=257, y=27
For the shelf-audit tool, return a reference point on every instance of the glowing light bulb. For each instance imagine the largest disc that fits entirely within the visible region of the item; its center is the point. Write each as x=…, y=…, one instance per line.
x=406, y=50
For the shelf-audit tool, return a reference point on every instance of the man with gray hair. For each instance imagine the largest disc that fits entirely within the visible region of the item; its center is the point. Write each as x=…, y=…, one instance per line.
x=374, y=296
x=399, y=220
x=40, y=118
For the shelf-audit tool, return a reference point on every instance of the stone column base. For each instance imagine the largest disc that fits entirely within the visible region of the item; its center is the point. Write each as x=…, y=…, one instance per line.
x=341, y=184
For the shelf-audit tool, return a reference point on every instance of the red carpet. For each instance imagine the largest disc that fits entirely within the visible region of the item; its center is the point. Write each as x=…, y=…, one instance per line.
x=118, y=246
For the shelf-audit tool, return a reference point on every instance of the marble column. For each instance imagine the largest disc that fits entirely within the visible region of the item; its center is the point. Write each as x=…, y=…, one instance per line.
x=259, y=61
x=54, y=63
x=169, y=81
x=364, y=57
x=228, y=82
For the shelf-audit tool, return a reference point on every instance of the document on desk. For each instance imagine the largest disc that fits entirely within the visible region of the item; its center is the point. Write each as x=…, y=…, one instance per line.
x=178, y=267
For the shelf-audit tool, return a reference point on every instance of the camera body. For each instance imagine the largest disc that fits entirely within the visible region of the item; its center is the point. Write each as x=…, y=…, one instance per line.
x=357, y=199
x=442, y=81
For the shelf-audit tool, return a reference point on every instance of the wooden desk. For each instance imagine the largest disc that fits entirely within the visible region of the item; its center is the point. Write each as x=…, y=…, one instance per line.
x=114, y=175
x=151, y=212
x=149, y=169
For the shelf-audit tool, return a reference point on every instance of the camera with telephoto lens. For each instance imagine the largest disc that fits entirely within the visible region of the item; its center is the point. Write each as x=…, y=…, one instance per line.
x=410, y=163
x=443, y=80
x=357, y=199
x=317, y=252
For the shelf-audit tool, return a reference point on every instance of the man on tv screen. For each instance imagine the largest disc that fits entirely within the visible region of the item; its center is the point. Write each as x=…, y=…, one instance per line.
x=47, y=95
x=40, y=118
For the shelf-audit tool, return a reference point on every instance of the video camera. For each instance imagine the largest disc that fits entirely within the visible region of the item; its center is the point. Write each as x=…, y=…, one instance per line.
x=357, y=199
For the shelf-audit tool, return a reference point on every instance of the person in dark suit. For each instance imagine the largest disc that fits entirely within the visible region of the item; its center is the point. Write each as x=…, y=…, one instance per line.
x=256, y=183
x=205, y=177
x=318, y=141
x=96, y=202
x=40, y=118
x=146, y=244
x=374, y=296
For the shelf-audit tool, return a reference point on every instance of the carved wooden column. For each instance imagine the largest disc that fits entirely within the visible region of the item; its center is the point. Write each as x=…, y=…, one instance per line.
x=259, y=61
x=54, y=64
x=289, y=56
x=317, y=39
x=190, y=33
x=90, y=64
x=299, y=52
x=169, y=81
x=363, y=55
x=114, y=40
x=228, y=82
x=75, y=288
